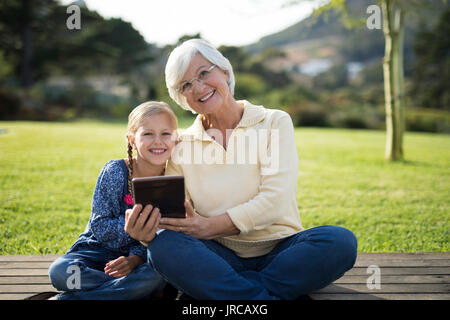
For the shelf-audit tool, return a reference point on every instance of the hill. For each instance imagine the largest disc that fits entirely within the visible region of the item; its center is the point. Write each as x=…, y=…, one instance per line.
x=324, y=36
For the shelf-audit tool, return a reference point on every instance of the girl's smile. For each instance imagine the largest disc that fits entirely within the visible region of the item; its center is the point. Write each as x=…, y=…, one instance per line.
x=158, y=151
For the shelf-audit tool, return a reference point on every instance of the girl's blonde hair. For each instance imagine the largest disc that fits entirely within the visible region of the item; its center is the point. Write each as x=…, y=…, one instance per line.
x=135, y=120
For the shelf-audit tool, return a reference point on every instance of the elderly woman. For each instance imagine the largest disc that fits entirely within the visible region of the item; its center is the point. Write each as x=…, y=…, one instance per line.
x=242, y=237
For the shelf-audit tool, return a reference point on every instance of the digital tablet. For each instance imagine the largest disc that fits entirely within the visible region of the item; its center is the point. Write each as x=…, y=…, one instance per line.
x=163, y=192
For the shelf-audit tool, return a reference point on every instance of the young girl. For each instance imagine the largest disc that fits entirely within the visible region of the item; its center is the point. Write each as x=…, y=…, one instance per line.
x=105, y=262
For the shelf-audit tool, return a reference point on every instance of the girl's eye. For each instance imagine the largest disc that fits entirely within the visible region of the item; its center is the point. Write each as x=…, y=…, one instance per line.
x=148, y=134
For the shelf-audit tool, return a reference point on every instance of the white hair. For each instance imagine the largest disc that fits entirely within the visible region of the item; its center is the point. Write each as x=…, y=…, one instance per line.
x=178, y=63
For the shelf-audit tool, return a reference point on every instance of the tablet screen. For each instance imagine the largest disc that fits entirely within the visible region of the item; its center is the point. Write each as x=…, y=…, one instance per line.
x=163, y=192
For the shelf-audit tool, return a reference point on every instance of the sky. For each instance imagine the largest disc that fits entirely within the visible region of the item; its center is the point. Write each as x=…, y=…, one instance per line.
x=221, y=22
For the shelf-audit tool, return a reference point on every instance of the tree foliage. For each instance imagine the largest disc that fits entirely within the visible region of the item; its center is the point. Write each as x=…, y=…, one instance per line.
x=431, y=85
x=102, y=45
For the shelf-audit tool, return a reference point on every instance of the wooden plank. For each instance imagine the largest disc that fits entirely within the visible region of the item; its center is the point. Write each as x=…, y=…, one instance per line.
x=401, y=255
x=21, y=288
x=25, y=265
x=388, y=279
x=354, y=271
x=25, y=279
x=365, y=263
x=361, y=256
x=328, y=296
x=410, y=279
x=15, y=296
x=23, y=272
x=418, y=276
x=362, y=259
x=381, y=264
x=403, y=262
x=387, y=288
x=381, y=296
x=401, y=271
x=47, y=257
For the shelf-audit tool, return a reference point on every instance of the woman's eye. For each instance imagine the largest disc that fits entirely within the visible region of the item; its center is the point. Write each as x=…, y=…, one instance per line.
x=186, y=86
x=203, y=74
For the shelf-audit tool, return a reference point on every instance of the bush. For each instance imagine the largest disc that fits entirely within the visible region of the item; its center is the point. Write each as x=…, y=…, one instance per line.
x=248, y=85
x=10, y=105
x=309, y=115
x=357, y=117
x=286, y=98
x=353, y=122
x=426, y=120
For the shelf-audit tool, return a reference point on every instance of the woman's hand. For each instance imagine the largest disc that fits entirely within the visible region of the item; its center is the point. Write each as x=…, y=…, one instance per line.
x=122, y=266
x=138, y=224
x=200, y=227
x=194, y=224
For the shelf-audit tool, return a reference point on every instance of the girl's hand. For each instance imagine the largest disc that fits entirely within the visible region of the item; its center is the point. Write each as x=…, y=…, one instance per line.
x=122, y=266
x=139, y=225
x=195, y=225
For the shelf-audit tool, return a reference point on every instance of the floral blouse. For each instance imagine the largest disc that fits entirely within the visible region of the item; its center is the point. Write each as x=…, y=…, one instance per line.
x=109, y=202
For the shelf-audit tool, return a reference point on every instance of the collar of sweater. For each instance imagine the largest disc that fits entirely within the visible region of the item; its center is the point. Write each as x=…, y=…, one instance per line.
x=251, y=116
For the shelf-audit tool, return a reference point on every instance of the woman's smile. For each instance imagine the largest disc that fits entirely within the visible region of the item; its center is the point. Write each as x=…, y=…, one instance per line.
x=207, y=96
x=210, y=94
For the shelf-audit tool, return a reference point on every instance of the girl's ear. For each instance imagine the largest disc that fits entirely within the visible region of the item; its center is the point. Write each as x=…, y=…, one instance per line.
x=176, y=136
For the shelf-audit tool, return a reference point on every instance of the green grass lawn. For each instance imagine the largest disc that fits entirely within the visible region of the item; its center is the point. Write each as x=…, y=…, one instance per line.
x=48, y=172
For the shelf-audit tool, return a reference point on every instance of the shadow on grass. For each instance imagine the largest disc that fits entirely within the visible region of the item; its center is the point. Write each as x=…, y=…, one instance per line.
x=411, y=163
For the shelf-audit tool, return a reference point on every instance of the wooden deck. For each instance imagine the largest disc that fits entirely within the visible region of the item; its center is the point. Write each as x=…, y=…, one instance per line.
x=405, y=276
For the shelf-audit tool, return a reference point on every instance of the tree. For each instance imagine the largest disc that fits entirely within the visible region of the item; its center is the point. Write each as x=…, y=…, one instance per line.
x=19, y=22
x=36, y=40
x=393, y=12
x=394, y=89
x=431, y=75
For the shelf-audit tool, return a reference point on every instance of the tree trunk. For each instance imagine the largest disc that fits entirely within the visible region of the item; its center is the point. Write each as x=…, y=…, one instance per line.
x=26, y=72
x=393, y=79
x=398, y=63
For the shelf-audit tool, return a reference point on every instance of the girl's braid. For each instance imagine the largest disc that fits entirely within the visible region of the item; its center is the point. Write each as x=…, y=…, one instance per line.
x=130, y=166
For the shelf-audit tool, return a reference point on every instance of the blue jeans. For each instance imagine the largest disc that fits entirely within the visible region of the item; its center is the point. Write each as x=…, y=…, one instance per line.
x=87, y=263
x=300, y=264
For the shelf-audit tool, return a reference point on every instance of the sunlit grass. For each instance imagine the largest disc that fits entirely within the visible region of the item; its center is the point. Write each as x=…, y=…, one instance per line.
x=391, y=207
x=48, y=172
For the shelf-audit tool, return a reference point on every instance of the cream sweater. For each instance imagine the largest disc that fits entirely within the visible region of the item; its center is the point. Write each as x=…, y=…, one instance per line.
x=254, y=180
